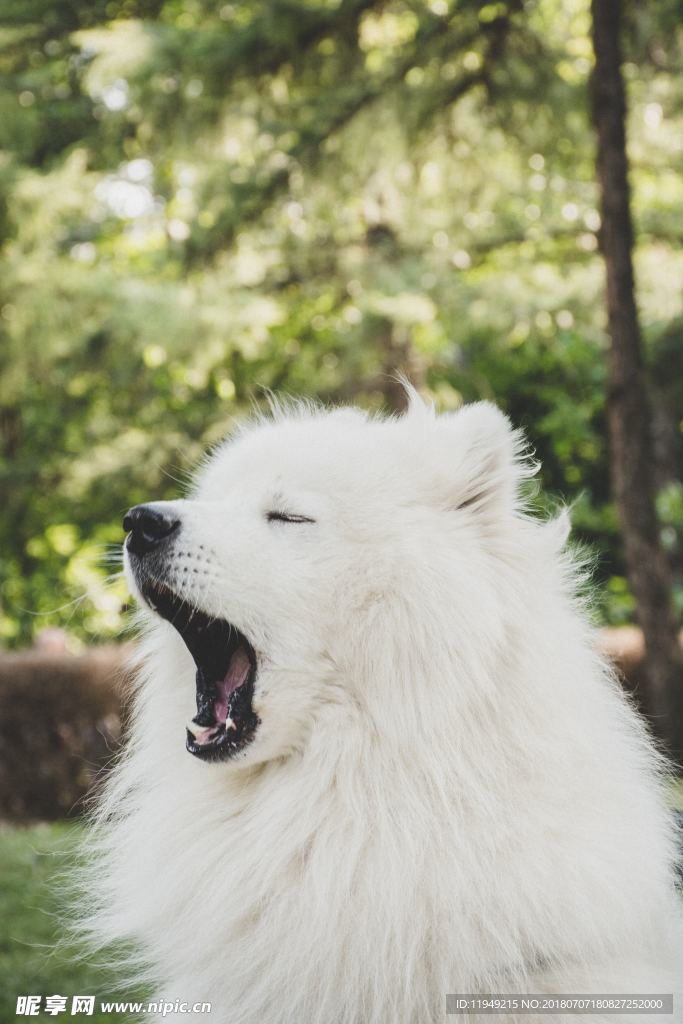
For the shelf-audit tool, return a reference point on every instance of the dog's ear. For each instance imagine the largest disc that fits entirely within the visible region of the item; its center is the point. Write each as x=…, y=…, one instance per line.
x=484, y=454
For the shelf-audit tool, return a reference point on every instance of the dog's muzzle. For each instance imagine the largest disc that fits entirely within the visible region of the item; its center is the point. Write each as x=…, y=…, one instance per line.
x=225, y=660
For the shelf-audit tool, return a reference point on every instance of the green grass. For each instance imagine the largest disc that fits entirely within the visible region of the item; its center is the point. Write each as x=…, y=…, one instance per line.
x=34, y=959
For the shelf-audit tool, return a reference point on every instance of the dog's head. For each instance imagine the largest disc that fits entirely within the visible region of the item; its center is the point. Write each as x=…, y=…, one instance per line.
x=309, y=548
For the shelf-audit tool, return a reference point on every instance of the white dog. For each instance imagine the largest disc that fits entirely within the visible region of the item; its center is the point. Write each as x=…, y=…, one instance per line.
x=409, y=771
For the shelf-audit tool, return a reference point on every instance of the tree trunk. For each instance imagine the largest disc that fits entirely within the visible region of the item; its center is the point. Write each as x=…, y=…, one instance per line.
x=628, y=410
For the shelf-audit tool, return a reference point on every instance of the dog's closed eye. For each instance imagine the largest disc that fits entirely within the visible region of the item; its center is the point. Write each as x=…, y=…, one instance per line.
x=287, y=517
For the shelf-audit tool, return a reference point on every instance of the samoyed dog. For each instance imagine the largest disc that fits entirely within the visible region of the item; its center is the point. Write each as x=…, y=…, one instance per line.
x=375, y=758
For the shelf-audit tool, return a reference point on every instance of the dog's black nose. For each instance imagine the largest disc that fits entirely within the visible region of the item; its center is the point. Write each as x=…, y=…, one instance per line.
x=147, y=526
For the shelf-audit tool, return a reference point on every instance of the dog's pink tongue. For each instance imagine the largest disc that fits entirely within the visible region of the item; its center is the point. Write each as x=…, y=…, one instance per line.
x=234, y=677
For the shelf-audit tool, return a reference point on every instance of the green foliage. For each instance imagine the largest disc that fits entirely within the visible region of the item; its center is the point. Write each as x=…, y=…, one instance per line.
x=200, y=200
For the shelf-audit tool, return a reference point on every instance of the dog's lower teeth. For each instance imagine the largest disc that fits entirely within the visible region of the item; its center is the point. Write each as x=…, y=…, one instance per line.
x=201, y=733
x=204, y=734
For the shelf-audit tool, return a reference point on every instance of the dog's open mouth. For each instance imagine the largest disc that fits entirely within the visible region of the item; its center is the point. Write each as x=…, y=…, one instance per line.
x=226, y=668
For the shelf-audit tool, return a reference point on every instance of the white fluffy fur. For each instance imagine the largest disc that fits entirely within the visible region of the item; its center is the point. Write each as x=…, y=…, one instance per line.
x=448, y=791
